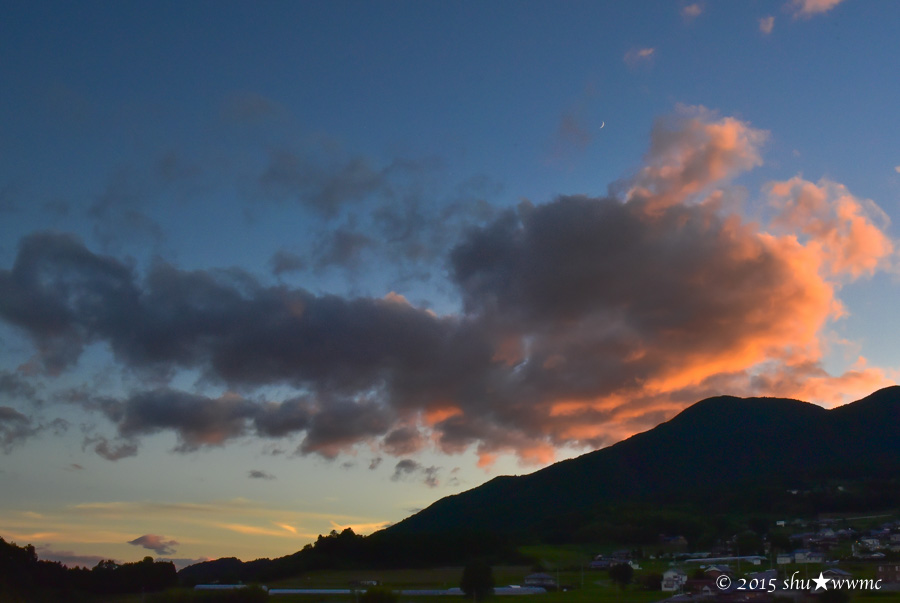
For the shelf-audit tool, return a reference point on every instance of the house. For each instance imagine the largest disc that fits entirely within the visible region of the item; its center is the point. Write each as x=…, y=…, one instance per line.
x=673, y=580
x=601, y=562
x=870, y=542
x=714, y=571
x=804, y=556
x=701, y=587
x=815, y=557
x=888, y=573
x=836, y=573
x=541, y=580
x=784, y=558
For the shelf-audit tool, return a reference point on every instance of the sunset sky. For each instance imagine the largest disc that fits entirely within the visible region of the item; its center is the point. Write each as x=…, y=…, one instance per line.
x=273, y=269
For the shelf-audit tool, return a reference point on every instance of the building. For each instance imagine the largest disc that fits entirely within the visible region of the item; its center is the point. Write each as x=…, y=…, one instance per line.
x=673, y=580
x=888, y=573
x=541, y=580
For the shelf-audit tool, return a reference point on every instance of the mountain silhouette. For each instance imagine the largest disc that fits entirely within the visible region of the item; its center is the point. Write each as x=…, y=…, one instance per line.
x=723, y=457
x=712, y=456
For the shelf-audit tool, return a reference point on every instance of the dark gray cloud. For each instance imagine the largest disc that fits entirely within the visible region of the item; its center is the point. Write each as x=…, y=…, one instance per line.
x=407, y=469
x=15, y=387
x=155, y=543
x=414, y=229
x=15, y=428
x=260, y=474
x=197, y=420
x=110, y=450
x=342, y=247
x=324, y=186
x=283, y=262
x=403, y=440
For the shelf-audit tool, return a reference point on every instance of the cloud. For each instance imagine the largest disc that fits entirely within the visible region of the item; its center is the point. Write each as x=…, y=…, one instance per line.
x=690, y=151
x=583, y=320
x=809, y=8
x=285, y=261
x=259, y=474
x=155, y=543
x=15, y=387
x=410, y=469
x=251, y=108
x=766, y=24
x=403, y=440
x=323, y=185
x=342, y=247
x=111, y=451
x=692, y=11
x=16, y=427
x=847, y=232
x=635, y=56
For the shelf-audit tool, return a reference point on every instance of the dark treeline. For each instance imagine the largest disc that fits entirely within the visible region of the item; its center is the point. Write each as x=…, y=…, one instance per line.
x=25, y=578
x=348, y=550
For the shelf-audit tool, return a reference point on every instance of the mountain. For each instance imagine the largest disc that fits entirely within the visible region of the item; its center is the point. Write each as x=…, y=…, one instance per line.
x=721, y=454
x=722, y=458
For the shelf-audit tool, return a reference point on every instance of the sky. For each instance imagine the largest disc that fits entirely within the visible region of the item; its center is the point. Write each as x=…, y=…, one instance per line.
x=273, y=269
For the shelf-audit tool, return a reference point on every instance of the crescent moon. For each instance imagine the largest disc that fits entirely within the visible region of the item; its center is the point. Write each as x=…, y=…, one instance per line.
x=602, y=124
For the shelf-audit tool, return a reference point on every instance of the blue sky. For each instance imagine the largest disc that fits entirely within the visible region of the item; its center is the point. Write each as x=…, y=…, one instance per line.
x=270, y=270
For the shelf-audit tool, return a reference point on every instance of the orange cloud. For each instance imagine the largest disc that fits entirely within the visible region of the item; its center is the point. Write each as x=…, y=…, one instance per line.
x=839, y=226
x=809, y=381
x=690, y=152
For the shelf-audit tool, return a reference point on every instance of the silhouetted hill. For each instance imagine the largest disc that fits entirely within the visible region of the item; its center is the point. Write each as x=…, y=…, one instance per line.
x=720, y=454
x=723, y=457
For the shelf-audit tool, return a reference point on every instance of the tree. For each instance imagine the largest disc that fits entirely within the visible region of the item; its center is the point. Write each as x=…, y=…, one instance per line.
x=621, y=574
x=477, y=580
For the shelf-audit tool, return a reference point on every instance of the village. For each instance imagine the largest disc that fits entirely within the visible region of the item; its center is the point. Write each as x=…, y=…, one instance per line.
x=799, y=560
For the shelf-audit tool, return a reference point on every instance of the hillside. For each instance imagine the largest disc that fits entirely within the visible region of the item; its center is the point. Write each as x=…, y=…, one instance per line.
x=721, y=458
x=720, y=450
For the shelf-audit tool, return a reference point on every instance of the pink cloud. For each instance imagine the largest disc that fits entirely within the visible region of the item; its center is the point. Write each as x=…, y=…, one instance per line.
x=639, y=55
x=809, y=8
x=155, y=543
x=692, y=11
